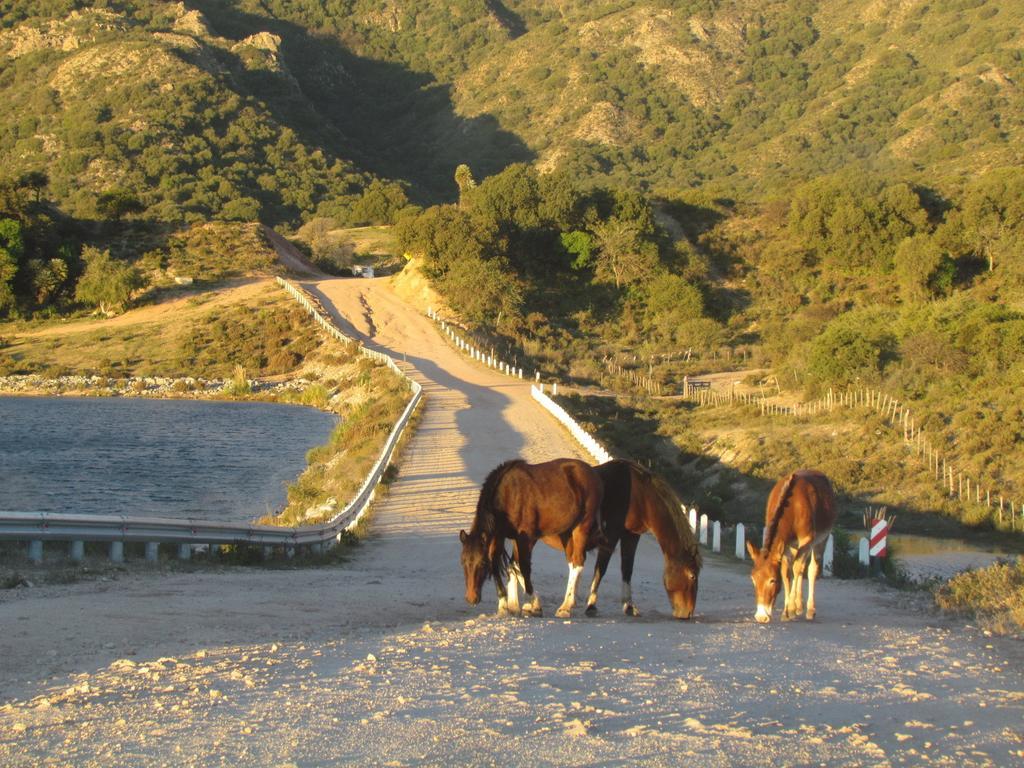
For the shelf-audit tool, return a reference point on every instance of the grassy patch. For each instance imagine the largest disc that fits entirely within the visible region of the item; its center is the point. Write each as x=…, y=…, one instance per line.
x=993, y=595
x=725, y=460
x=336, y=470
x=206, y=335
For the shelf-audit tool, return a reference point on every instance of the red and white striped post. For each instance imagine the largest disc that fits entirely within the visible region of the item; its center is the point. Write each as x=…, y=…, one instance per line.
x=877, y=542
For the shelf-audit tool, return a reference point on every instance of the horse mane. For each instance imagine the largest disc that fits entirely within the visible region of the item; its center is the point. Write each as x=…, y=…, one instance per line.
x=486, y=518
x=674, y=507
x=777, y=512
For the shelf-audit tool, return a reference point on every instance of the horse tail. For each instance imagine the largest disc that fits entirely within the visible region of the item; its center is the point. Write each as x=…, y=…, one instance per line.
x=673, y=507
x=776, y=515
x=487, y=511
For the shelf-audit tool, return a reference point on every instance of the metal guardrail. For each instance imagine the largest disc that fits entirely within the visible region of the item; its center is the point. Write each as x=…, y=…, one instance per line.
x=45, y=526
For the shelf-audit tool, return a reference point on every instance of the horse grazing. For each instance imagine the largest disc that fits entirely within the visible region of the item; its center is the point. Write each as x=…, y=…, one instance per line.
x=799, y=516
x=635, y=501
x=558, y=501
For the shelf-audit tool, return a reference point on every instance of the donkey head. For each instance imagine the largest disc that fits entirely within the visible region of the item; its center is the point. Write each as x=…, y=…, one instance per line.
x=767, y=578
x=475, y=563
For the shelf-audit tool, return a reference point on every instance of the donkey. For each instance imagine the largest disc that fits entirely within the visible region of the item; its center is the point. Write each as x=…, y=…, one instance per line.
x=799, y=516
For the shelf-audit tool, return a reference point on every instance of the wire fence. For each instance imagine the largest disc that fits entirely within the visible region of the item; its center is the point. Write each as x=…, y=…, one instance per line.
x=954, y=481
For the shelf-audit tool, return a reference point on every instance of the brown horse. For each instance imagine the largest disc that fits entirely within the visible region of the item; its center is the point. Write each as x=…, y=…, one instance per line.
x=635, y=501
x=558, y=501
x=799, y=516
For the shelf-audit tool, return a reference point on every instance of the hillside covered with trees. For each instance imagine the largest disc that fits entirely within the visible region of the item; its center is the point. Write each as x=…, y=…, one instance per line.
x=831, y=189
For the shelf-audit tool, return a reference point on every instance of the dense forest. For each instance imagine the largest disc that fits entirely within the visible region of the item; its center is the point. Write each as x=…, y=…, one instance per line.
x=831, y=189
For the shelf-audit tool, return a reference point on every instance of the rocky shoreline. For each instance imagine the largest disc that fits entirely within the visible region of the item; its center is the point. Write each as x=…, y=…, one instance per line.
x=139, y=386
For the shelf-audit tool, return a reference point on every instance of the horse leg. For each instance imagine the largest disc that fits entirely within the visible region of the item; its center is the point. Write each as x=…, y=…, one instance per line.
x=787, y=586
x=497, y=549
x=812, y=574
x=628, y=545
x=575, y=552
x=514, y=577
x=525, y=550
x=604, y=556
x=796, y=607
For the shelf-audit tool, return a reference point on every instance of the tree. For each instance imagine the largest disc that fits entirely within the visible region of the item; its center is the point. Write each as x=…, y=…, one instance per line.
x=47, y=278
x=856, y=345
x=852, y=223
x=12, y=248
x=241, y=209
x=674, y=309
x=115, y=204
x=621, y=253
x=923, y=268
x=34, y=180
x=580, y=246
x=509, y=199
x=379, y=204
x=992, y=213
x=106, y=283
x=465, y=182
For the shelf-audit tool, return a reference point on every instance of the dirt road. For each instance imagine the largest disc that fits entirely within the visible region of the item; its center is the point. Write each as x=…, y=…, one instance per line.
x=379, y=661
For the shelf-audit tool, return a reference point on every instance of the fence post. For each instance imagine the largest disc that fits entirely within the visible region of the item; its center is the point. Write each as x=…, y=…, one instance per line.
x=117, y=551
x=77, y=551
x=862, y=552
x=693, y=519
x=35, y=551
x=152, y=551
x=184, y=551
x=828, y=556
x=704, y=530
x=716, y=536
x=741, y=544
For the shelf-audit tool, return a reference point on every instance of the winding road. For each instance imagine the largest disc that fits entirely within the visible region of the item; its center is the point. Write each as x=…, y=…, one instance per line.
x=379, y=661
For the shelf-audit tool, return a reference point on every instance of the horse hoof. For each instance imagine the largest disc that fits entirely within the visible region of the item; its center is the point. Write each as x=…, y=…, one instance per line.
x=630, y=610
x=563, y=613
x=810, y=615
x=786, y=616
x=591, y=610
x=532, y=612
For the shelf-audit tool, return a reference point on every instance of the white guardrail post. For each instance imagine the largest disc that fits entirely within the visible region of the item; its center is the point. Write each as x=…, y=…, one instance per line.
x=117, y=530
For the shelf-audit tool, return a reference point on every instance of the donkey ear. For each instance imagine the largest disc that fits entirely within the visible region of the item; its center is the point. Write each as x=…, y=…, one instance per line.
x=753, y=550
x=463, y=536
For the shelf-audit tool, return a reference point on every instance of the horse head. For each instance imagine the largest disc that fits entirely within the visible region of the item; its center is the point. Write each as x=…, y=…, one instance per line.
x=475, y=563
x=767, y=578
x=680, y=581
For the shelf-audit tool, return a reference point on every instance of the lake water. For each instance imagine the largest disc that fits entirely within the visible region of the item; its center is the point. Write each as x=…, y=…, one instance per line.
x=153, y=458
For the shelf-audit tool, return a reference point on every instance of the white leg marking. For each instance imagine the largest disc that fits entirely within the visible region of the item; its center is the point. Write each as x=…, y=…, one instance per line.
x=592, y=598
x=565, y=610
x=514, y=577
x=812, y=575
x=533, y=607
x=627, y=600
